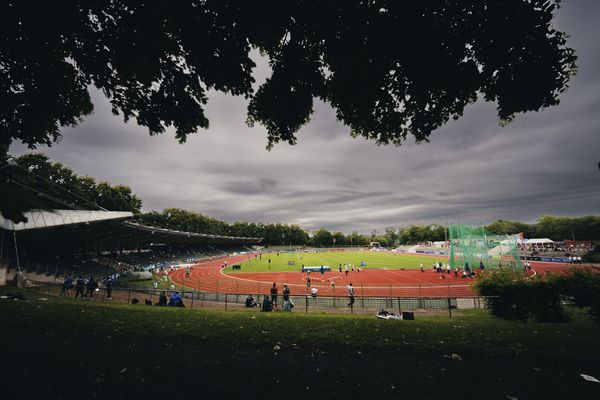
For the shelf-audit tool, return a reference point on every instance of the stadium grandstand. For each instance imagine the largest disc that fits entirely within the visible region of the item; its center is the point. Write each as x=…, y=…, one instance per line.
x=80, y=241
x=84, y=236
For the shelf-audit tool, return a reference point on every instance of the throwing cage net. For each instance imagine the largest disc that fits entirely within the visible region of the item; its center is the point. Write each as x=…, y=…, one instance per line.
x=471, y=246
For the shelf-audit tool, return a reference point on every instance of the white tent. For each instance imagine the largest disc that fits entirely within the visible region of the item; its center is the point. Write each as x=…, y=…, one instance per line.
x=538, y=242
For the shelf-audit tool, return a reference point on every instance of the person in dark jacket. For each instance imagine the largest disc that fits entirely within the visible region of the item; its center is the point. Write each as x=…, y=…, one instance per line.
x=267, y=304
x=109, y=287
x=91, y=287
x=286, y=293
x=162, y=299
x=250, y=302
x=67, y=285
x=79, y=286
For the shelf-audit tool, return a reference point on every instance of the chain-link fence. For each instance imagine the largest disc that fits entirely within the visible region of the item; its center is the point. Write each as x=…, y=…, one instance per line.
x=194, y=299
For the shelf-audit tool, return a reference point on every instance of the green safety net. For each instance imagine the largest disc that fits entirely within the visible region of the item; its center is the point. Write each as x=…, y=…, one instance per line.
x=471, y=245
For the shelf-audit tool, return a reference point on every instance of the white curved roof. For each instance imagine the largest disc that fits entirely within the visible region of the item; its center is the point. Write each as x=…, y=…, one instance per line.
x=38, y=219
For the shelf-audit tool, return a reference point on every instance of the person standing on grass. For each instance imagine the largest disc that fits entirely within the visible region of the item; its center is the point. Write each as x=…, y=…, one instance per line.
x=79, y=286
x=346, y=269
x=91, y=287
x=66, y=286
x=109, y=287
x=350, y=294
x=286, y=293
x=274, y=291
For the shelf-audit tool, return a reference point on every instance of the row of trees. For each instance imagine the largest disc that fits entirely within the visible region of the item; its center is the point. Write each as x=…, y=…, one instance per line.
x=547, y=226
x=556, y=228
x=32, y=181
x=274, y=234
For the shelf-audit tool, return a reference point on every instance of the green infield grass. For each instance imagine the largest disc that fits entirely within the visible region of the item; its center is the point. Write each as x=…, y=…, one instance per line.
x=280, y=262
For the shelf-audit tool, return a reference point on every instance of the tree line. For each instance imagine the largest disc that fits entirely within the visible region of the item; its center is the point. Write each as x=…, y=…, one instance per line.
x=192, y=221
x=32, y=181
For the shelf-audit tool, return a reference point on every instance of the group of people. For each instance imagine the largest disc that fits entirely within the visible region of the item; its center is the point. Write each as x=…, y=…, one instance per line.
x=348, y=267
x=444, y=270
x=85, y=288
x=270, y=301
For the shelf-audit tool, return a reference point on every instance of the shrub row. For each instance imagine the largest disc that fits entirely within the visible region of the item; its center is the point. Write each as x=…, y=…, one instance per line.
x=540, y=298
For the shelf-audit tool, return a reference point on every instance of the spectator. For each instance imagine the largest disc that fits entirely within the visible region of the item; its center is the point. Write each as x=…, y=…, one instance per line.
x=109, y=287
x=267, y=304
x=91, y=286
x=250, y=302
x=286, y=293
x=79, y=286
x=66, y=286
x=175, y=300
x=274, y=291
x=162, y=299
x=350, y=294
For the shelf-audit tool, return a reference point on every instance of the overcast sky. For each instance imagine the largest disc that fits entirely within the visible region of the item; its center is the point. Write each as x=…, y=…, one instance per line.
x=473, y=171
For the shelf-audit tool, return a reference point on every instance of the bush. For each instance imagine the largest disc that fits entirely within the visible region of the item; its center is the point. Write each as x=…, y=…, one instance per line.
x=582, y=286
x=513, y=297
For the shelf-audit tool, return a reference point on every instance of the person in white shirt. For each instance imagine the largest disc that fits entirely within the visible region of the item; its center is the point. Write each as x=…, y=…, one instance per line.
x=350, y=294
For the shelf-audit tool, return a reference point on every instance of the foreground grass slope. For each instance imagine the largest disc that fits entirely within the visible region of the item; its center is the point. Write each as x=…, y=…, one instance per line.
x=61, y=348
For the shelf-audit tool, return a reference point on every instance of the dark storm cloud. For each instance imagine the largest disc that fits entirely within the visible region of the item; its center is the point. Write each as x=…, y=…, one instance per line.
x=472, y=171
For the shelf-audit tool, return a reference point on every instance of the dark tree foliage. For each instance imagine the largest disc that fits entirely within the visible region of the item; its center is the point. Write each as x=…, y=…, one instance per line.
x=35, y=182
x=191, y=221
x=390, y=69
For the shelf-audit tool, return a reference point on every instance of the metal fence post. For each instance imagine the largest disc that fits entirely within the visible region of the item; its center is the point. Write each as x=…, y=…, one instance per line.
x=217, y=294
x=129, y=296
x=362, y=295
x=399, y=308
x=306, y=303
x=225, y=301
x=449, y=308
x=193, y=295
x=334, y=302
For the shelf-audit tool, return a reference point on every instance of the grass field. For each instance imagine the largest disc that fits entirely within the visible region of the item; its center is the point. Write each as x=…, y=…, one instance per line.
x=62, y=348
x=280, y=261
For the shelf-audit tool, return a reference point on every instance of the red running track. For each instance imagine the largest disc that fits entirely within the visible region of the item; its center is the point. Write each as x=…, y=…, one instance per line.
x=207, y=276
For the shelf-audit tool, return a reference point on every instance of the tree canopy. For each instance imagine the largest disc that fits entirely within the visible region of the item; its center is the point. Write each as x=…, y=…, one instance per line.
x=390, y=69
x=190, y=221
x=35, y=182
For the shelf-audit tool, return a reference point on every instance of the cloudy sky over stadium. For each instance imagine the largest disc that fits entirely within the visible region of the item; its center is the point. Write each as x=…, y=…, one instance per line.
x=472, y=171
